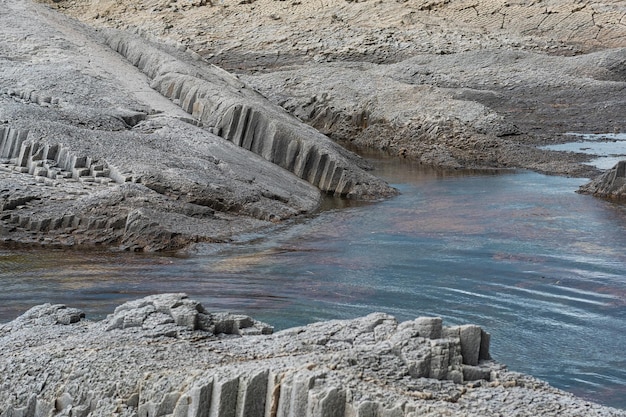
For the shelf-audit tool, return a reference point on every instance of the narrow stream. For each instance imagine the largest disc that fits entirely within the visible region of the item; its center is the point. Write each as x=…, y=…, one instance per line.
x=519, y=253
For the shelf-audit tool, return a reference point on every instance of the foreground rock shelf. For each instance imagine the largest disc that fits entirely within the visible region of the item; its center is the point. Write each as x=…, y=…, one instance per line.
x=166, y=355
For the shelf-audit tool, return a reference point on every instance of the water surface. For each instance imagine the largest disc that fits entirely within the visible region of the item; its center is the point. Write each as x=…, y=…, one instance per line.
x=608, y=148
x=521, y=254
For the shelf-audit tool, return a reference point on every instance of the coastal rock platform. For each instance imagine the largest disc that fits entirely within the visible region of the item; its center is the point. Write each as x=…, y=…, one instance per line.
x=166, y=355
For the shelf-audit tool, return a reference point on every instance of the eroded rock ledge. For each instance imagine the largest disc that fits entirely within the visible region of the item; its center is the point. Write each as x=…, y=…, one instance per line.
x=92, y=155
x=166, y=355
x=230, y=109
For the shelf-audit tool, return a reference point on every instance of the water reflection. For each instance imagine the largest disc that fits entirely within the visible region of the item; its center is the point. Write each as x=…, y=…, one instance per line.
x=521, y=254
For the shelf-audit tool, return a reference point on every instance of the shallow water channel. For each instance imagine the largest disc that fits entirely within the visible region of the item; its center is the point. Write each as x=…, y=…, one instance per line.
x=521, y=254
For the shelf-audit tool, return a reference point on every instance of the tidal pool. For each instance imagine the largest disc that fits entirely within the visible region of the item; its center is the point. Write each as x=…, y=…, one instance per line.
x=521, y=254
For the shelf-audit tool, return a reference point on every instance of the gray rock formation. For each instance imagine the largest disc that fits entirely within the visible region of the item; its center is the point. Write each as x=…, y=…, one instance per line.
x=226, y=106
x=448, y=83
x=91, y=155
x=166, y=355
x=611, y=184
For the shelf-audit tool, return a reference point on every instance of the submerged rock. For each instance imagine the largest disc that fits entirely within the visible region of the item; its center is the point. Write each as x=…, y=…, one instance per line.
x=167, y=355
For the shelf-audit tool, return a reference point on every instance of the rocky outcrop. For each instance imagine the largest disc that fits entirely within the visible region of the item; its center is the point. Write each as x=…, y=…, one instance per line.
x=227, y=107
x=163, y=311
x=53, y=161
x=91, y=155
x=166, y=355
x=611, y=184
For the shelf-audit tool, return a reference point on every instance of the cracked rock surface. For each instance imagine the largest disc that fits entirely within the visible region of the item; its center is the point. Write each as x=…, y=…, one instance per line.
x=167, y=355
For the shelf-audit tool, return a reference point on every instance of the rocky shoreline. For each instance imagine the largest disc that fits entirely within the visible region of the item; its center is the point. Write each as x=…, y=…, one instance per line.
x=125, y=136
x=148, y=149
x=166, y=355
x=120, y=133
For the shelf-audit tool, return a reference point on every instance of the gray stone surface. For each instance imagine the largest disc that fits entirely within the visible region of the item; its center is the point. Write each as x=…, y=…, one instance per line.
x=226, y=106
x=163, y=355
x=610, y=184
x=92, y=155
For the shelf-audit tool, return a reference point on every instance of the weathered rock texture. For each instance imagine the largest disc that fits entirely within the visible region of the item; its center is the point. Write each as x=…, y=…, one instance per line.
x=458, y=110
x=166, y=355
x=610, y=185
x=449, y=83
x=223, y=104
x=90, y=154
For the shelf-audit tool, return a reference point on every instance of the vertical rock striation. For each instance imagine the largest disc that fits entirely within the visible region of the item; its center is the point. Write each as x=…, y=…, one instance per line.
x=166, y=355
x=227, y=107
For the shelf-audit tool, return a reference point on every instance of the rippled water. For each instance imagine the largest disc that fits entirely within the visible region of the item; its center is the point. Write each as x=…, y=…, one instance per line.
x=521, y=254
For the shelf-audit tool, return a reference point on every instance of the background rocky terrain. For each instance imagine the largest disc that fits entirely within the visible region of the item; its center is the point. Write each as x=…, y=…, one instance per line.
x=450, y=83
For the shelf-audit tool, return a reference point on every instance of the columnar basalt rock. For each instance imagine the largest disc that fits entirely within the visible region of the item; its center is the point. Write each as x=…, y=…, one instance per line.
x=53, y=161
x=91, y=155
x=166, y=355
x=66, y=163
x=230, y=109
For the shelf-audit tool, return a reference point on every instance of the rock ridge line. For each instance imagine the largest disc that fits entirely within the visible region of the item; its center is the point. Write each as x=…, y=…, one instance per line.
x=230, y=109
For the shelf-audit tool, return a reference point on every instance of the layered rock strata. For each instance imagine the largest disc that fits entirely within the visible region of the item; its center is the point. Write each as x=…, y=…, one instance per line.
x=91, y=155
x=166, y=355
